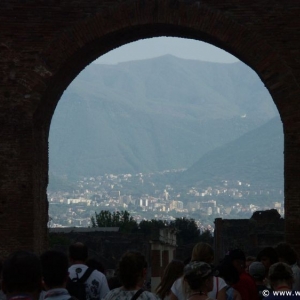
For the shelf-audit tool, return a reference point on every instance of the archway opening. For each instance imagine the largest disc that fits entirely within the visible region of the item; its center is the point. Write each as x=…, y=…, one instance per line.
x=150, y=116
x=83, y=33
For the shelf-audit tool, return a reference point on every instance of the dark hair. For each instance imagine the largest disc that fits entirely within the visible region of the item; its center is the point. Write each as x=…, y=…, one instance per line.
x=227, y=271
x=287, y=253
x=114, y=282
x=187, y=260
x=54, y=268
x=130, y=269
x=270, y=253
x=22, y=273
x=250, y=258
x=173, y=271
x=237, y=254
x=195, y=281
x=95, y=264
x=78, y=251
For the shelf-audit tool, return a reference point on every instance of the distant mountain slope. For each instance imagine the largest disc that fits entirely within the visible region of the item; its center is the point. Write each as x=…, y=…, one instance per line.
x=154, y=114
x=256, y=158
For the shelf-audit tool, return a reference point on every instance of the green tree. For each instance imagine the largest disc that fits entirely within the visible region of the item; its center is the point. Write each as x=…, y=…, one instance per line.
x=121, y=219
x=187, y=230
x=102, y=219
x=148, y=227
x=206, y=237
x=127, y=222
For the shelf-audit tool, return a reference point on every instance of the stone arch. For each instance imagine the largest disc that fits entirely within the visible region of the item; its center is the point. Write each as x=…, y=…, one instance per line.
x=94, y=29
x=89, y=39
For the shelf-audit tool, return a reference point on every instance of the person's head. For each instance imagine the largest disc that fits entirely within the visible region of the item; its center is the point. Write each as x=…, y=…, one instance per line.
x=257, y=270
x=54, y=269
x=286, y=253
x=187, y=260
x=249, y=261
x=132, y=269
x=173, y=271
x=199, y=276
x=78, y=252
x=280, y=274
x=22, y=274
x=238, y=259
x=228, y=272
x=95, y=264
x=203, y=252
x=268, y=256
x=114, y=282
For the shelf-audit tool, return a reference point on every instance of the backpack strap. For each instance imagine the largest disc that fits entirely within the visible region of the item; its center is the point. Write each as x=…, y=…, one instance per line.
x=137, y=294
x=86, y=275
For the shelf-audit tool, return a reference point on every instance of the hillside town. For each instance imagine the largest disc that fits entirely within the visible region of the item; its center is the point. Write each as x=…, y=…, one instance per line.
x=149, y=196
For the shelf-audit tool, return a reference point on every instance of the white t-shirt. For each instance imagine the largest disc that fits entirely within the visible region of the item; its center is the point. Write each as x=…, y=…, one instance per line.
x=178, y=288
x=96, y=284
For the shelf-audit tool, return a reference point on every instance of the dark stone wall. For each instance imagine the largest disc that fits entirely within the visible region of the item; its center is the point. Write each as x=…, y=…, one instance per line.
x=45, y=44
x=263, y=229
x=107, y=247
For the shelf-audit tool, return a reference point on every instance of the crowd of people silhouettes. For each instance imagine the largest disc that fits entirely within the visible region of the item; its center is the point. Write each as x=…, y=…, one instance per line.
x=272, y=274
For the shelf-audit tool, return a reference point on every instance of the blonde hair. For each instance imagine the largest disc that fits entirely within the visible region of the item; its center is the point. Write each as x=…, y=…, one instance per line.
x=203, y=252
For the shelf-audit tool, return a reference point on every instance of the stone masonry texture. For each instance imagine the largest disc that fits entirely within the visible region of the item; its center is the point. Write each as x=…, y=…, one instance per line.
x=44, y=44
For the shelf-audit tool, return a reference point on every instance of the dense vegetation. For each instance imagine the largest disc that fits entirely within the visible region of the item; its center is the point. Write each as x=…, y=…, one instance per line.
x=186, y=229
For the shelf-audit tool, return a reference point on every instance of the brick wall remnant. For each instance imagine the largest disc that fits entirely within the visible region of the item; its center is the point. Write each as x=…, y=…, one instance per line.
x=45, y=45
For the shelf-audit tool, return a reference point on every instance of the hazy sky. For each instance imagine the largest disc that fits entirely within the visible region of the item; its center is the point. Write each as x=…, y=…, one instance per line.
x=183, y=48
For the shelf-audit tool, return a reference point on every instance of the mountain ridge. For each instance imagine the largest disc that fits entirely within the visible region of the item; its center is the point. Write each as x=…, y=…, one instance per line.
x=153, y=115
x=255, y=158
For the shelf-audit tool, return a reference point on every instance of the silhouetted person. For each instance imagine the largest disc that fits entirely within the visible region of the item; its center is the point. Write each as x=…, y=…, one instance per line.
x=22, y=276
x=280, y=277
x=96, y=284
x=286, y=253
x=55, y=275
x=258, y=271
x=267, y=256
x=231, y=276
x=132, y=271
x=114, y=282
x=172, y=272
x=95, y=264
x=205, y=253
x=246, y=285
x=249, y=261
x=199, y=277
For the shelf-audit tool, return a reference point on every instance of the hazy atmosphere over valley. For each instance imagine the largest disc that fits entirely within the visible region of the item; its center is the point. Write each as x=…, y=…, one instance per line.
x=214, y=119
